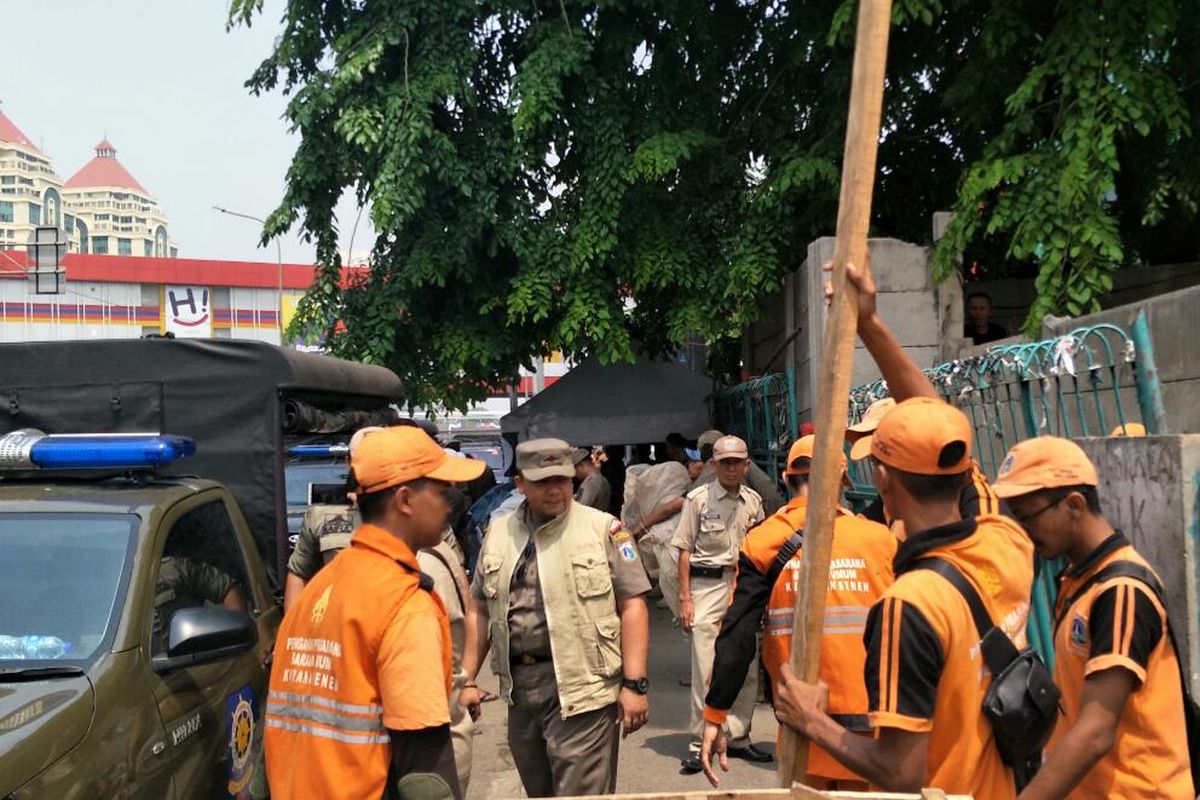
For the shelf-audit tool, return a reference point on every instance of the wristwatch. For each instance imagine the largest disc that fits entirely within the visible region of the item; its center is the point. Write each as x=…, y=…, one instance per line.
x=639, y=685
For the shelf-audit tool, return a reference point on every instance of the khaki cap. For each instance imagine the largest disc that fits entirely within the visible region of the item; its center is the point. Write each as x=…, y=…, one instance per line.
x=1046, y=462
x=538, y=459
x=859, y=434
x=729, y=447
x=871, y=417
x=708, y=438
x=360, y=434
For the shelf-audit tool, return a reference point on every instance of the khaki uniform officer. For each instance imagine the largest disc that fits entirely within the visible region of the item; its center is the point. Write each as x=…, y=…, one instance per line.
x=558, y=597
x=755, y=478
x=712, y=525
x=325, y=532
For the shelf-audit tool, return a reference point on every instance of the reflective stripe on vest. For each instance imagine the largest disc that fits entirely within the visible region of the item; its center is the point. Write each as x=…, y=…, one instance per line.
x=838, y=619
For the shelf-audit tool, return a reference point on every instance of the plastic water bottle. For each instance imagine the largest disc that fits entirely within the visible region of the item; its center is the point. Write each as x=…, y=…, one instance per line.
x=12, y=648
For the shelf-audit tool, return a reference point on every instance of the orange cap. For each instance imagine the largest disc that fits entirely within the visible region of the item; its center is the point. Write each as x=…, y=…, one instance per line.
x=802, y=452
x=1046, y=462
x=914, y=436
x=393, y=456
x=1131, y=429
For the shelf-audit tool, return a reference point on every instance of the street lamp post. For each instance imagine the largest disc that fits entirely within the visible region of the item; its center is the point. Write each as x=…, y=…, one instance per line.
x=279, y=262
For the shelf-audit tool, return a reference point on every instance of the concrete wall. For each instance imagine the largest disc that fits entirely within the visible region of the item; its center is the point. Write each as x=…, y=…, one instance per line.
x=1150, y=489
x=1174, y=319
x=926, y=318
x=1011, y=297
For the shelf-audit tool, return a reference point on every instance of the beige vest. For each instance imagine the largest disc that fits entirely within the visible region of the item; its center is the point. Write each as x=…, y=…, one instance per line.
x=577, y=590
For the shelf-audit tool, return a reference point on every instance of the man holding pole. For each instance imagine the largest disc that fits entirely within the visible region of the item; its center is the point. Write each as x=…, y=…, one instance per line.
x=924, y=676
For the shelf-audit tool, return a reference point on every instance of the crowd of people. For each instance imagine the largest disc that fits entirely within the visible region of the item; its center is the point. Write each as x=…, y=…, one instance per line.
x=374, y=685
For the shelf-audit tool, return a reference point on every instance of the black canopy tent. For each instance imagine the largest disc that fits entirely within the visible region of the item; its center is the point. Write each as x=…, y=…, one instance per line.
x=621, y=403
x=231, y=396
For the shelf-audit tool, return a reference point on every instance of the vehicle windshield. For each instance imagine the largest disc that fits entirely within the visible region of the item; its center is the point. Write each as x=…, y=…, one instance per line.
x=492, y=454
x=60, y=579
x=300, y=475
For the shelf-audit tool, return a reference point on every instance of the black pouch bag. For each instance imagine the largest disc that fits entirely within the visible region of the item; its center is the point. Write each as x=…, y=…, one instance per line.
x=1022, y=702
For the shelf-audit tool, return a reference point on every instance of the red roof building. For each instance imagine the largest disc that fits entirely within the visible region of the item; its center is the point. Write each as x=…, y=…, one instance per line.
x=9, y=132
x=105, y=170
x=118, y=215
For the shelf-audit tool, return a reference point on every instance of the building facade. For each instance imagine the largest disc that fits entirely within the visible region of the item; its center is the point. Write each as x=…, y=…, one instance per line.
x=123, y=297
x=113, y=213
x=101, y=209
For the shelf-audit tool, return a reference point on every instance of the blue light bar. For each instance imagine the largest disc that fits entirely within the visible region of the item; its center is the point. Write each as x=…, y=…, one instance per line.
x=29, y=448
x=319, y=450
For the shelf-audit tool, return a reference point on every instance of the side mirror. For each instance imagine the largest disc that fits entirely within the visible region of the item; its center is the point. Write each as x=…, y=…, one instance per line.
x=205, y=634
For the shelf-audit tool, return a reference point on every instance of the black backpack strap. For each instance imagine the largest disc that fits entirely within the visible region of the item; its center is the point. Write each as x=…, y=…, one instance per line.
x=1117, y=569
x=785, y=554
x=423, y=580
x=998, y=650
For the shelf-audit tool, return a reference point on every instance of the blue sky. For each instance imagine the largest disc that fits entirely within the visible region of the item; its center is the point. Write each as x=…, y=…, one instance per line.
x=164, y=81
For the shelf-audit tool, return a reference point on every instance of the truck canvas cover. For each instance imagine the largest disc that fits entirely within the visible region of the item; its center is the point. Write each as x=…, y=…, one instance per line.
x=243, y=402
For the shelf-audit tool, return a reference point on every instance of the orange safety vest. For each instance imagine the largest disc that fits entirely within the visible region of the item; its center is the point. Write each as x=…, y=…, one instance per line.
x=325, y=734
x=859, y=572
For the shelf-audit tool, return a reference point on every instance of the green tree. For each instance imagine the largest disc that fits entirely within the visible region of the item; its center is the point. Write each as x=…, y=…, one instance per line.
x=1094, y=166
x=599, y=176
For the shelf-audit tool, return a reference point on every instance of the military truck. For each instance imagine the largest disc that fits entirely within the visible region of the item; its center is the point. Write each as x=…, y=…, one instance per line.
x=136, y=624
x=245, y=404
x=143, y=539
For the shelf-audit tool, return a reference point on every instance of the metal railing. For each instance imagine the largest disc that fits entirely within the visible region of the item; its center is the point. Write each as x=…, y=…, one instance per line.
x=1078, y=384
x=1084, y=383
x=1068, y=386
x=763, y=412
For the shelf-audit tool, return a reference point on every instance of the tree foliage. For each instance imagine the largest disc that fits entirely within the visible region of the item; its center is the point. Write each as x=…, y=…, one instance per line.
x=602, y=176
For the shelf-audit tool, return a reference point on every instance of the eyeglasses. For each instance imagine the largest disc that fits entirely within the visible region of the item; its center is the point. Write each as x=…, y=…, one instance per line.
x=1025, y=519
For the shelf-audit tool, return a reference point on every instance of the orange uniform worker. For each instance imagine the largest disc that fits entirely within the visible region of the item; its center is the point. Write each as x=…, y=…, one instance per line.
x=359, y=693
x=861, y=568
x=1123, y=732
x=925, y=676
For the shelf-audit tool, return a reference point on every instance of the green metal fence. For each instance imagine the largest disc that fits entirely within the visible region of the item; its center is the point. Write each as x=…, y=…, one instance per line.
x=763, y=412
x=1084, y=383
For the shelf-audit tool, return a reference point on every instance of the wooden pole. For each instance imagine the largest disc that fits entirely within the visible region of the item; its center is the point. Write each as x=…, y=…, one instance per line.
x=837, y=358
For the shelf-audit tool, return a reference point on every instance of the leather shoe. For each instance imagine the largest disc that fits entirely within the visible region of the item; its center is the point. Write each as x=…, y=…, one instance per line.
x=690, y=765
x=749, y=753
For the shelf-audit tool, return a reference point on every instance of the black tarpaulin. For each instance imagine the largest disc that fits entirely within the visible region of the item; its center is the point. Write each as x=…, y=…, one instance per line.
x=227, y=395
x=616, y=404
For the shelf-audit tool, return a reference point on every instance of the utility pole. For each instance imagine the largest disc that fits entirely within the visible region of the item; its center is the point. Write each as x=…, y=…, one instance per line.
x=279, y=266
